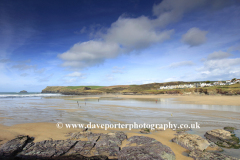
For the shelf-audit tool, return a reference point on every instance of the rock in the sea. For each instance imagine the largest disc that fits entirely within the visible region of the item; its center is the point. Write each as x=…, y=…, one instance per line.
x=223, y=138
x=199, y=155
x=12, y=147
x=191, y=141
x=146, y=149
x=23, y=91
x=46, y=149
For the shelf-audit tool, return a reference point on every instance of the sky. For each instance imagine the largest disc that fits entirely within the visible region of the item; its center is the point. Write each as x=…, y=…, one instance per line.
x=104, y=43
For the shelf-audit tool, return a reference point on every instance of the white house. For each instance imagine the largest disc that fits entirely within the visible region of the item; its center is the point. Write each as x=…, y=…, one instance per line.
x=237, y=80
x=228, y=82
x=178, y=86
x=205, y=85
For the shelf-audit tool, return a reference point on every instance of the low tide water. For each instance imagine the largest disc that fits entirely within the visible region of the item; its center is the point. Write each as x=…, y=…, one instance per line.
x=56, y=107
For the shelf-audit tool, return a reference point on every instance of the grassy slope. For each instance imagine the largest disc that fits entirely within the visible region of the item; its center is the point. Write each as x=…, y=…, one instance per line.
x=152, y=88
x=77, y=87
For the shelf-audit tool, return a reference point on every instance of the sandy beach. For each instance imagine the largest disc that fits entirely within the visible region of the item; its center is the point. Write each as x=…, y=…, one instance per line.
x=47, y=131
x=191, y=99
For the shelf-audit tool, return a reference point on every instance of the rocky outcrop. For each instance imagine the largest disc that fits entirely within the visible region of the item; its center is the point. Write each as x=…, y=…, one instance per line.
x=47, y=149
x=12, y=147
x=146, y=149
x=223, y=138
x=109, y=144
x=191, y=141
x=199, y=155
x=98, y=147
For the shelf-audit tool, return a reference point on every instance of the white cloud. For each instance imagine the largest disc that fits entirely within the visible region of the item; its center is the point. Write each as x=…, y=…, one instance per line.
x=22, y=65
x=219, y=65
x=129, y=34
x=218, y=55
x=83, y=30
x=124, y=35
x=135, y=33
x=234, y=48
x=89, y=53
x=75, y=74
x=194, y=37
x=169, y=11
x=118, y=69
x=71, y=80
x=181, y=64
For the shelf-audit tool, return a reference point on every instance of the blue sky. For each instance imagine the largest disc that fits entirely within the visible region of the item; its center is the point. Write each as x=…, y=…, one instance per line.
x=90, y=42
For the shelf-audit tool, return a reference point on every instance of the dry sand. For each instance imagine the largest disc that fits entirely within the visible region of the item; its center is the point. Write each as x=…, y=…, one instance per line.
x=191, y=99
x=47, y=131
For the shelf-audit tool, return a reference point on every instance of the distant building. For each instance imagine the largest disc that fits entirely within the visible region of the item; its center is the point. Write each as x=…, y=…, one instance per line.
x=237, y=80
x=205, y=84
x=196, y=85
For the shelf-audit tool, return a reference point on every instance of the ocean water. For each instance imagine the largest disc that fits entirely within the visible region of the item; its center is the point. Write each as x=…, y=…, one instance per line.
x=29, y=94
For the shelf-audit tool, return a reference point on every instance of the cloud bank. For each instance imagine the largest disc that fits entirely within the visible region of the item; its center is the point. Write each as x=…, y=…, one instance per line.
x=194, y=37
x=129, y=34
x=181, y=64
x=218, y=55
x=218, y=64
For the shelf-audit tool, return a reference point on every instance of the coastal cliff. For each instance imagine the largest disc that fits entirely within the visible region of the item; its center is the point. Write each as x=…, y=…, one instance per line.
x=70, y=90
x=152, y=88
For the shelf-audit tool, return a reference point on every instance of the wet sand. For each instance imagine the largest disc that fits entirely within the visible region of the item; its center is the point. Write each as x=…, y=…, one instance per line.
x=47, y=131
x=70, y=110
x=191, y=99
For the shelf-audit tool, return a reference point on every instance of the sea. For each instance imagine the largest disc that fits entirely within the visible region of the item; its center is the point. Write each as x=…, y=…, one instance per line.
x=28, y=94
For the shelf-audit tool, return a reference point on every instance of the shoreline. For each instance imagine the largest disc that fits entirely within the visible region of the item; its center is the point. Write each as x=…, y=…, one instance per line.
x=182, y=99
